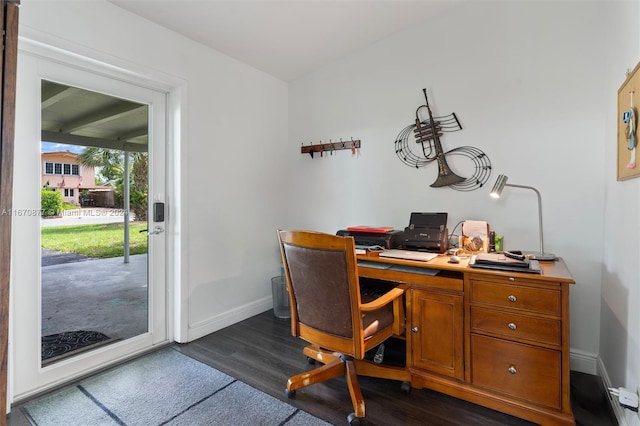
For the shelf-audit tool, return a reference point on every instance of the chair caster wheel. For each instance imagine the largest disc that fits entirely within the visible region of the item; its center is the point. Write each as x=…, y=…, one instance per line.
x=311, y=360
x=355, y=421
x=405, y=387
x=290, y=393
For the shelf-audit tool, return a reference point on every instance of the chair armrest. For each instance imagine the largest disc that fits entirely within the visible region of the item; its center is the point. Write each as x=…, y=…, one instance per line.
x=383, y=300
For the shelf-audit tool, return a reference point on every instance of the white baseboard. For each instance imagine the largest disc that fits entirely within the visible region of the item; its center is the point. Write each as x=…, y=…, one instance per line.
x=225, y=319
x=617, y=408
x=583, y=362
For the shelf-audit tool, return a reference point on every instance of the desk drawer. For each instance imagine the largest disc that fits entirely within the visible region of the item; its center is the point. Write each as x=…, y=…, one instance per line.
x=540, y=300
x=516, y=369
x=511, y=325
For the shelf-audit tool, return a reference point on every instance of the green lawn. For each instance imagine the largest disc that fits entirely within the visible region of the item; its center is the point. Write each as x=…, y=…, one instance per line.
x=100, y=241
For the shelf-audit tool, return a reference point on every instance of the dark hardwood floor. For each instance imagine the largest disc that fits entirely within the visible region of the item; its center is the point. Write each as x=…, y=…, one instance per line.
x=261, y=352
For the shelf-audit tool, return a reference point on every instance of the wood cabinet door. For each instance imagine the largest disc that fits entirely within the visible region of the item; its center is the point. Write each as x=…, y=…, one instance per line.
x=519, y=370
x=437, y=333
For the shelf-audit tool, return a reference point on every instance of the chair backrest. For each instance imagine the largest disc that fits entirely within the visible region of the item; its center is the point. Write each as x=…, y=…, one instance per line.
x=324, y=291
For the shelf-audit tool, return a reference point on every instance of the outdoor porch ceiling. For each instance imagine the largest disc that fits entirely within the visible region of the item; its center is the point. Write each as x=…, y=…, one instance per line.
x=75, y=116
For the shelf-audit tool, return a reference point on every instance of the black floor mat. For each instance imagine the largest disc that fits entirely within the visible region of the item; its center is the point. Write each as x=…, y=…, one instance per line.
x=60, y=344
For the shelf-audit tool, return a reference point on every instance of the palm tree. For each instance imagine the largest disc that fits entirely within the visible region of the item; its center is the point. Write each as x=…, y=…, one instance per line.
x=110, y=166
x=108, y=162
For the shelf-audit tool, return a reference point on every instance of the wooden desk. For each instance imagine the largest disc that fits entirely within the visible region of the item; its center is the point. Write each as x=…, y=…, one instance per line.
x=494, y=338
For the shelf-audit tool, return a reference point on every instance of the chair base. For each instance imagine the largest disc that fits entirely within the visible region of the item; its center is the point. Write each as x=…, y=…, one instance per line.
x=335, y=365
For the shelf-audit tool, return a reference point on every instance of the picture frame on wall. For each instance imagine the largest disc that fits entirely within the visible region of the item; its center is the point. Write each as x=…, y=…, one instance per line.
x=628, y=157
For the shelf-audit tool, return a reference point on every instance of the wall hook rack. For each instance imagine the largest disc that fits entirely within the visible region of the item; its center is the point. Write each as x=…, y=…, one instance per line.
x=330, y=146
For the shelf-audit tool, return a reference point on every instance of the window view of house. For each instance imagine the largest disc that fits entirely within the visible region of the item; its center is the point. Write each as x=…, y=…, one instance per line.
x=62, y=171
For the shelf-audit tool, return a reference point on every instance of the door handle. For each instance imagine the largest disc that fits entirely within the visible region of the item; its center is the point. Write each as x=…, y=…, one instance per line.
x=156, y=230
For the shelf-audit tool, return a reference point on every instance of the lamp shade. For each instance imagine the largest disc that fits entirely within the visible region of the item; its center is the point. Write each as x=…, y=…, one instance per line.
x=499, y=186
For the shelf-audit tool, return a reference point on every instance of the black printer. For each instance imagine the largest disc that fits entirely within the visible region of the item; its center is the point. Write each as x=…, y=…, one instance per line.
x=389, y=240
x=426, y=232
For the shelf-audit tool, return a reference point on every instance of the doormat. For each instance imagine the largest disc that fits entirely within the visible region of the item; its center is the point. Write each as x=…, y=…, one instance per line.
x=162, y=388
x=62, y=345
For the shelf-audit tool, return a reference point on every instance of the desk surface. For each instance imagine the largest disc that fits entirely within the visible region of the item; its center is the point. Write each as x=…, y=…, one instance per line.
x=556, y=271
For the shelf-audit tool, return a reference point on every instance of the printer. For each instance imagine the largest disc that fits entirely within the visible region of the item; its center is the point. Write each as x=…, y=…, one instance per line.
x=426, y=232
x=387, y=238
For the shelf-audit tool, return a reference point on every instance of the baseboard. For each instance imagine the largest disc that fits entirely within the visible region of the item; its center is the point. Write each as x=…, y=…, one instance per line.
x=225, y=319
x=588, y=363
x=583, y=362
x=617, y=408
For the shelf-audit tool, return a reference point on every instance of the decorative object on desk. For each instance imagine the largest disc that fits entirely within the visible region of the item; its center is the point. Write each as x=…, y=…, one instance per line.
x=428, y=148
x=475, y=236
x=627, y=126
x=472, y=244
x=501, y=182
x=321, y=148
x=499, y=243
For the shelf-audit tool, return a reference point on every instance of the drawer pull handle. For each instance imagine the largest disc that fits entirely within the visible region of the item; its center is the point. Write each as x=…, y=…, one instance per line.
x=511, y=279
x=512, y=370
x=512, y=326
x=414, y=329
x=512, y=298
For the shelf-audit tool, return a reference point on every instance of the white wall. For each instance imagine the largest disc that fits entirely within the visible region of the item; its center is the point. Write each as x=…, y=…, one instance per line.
x=530, y=86
x=234, y=132
x=620, y=320
x=534, y=86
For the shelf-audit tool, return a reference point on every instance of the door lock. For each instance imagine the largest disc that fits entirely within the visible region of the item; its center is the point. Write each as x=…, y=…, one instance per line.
x=156, y=230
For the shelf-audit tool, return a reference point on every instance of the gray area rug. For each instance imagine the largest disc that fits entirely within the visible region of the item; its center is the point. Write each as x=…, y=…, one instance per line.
x=163, y=388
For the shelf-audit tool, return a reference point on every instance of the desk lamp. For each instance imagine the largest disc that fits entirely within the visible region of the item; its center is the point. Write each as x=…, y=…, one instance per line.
x=501, y=182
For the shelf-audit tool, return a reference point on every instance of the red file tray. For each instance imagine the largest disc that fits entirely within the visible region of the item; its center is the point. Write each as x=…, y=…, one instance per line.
x=371, y=229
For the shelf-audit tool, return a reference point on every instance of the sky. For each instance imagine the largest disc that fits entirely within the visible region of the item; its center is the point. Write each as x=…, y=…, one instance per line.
x=51, y=147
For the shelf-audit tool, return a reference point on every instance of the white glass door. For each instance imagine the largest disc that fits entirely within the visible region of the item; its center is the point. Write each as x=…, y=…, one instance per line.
x=113, y=304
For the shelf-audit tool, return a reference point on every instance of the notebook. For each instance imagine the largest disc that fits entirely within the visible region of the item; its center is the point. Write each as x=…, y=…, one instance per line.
x=408, y=254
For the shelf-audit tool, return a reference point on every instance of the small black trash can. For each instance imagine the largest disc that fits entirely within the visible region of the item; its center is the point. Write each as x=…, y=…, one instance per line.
x=280, y=297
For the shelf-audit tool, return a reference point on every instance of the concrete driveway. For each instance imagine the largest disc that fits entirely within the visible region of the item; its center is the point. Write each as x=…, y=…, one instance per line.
x=105, y=295
x=86, y=216
x=83, y=293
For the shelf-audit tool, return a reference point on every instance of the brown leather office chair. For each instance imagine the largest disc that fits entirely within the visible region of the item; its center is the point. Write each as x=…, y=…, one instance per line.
x=327, y=311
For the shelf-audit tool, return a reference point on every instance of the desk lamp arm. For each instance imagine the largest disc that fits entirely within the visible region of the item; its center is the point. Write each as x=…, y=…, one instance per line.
x=539, y=210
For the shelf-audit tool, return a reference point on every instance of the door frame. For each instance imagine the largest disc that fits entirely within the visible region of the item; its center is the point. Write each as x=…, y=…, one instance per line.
x=175, y=99
x=9, y=12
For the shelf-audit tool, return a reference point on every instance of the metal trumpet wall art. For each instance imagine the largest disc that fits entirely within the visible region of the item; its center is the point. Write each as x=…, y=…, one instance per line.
x=419, y=144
